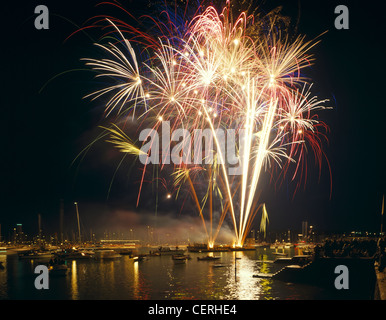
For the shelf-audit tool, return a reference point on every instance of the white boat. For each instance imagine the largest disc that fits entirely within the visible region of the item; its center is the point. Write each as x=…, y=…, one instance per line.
x=138, y=258
x=180, y=258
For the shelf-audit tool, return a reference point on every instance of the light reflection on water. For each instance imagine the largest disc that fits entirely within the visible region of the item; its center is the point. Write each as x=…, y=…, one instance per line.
x=74, y=281
x=242, y=285
x=265, y=283
x=154, y=278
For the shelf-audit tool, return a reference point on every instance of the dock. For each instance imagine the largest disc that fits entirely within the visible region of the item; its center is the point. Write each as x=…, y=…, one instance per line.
x=263, y=275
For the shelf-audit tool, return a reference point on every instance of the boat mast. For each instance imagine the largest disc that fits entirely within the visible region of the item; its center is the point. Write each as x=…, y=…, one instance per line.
x=40, y=226
x=380, y=234
x=61, y=220
x=383, y=208
x=77, y=215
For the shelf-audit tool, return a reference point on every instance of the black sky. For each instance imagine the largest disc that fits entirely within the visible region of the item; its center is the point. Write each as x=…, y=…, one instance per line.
x=47, y=123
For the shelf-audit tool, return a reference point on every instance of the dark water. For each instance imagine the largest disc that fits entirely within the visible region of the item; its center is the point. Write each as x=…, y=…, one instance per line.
x=156, y=278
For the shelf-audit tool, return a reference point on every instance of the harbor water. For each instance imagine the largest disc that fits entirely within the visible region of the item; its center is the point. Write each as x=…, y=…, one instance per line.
x=158, y=278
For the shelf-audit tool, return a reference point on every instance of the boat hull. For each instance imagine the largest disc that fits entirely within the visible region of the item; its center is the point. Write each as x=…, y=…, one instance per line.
x=58, y=270
x=207, y=258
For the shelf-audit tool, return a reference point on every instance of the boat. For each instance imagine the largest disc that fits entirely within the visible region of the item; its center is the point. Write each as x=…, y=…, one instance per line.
x=263, y=275
x=16, y=250
x=106, y=255
x=264, y=261
x=276, y=245
x=203, y=247
x=74, y=254
x=250, y=248
x=295, y=260
x=167, y=251
x=198, y=247
x=262, y=245
x=208, y=258
x=218, y=265
x=138, y=258
x=180, y=258
x=35, y=255
x=126, y=252
x=58, y=269
x=5, y=250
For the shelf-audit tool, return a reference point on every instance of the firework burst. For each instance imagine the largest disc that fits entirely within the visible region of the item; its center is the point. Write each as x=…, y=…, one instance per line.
x=215, y=72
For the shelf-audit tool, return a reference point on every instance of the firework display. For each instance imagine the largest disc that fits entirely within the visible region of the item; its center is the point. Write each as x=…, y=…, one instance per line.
x=236, y=82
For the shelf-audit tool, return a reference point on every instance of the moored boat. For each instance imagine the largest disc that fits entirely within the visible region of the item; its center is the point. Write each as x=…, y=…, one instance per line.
x=106, y=255
x=218, y=265
x=35, y=255
x=139, y=257
x=249, y=248
x=262, y=245
x=296, y=260
x=202, y=247
x=167, y=251
x=58, y=269
x=180, y=258
x=74, y=254
x=208, y=258
x=126, y=252
x=280, y=253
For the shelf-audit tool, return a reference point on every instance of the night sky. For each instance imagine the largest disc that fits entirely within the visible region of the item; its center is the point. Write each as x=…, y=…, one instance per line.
x=46, y=123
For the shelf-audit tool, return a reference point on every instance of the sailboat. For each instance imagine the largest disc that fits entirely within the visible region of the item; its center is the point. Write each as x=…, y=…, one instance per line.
x=77, y=216
x=382, y=211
